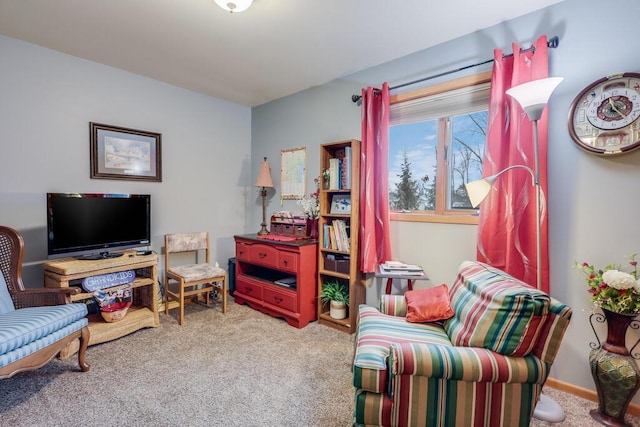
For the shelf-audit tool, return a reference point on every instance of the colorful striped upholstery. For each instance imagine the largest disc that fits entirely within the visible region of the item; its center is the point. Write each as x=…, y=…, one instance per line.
x=394, y=305
x=436, y=402
x=376, y=332
x=495, y=311
x=411, y=374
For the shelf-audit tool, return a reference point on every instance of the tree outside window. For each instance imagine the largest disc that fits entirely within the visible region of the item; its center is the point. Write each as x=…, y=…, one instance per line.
x=430, y=162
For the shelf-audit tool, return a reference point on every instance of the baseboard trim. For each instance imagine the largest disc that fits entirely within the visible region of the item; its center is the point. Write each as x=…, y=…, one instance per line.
x=584, y=393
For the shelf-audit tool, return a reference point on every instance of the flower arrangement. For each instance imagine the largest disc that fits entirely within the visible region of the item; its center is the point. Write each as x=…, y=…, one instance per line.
x=310, y=204
x=326, y=176
x=613, y=289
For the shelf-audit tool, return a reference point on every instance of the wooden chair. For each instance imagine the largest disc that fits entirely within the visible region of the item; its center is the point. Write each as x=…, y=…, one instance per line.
x=193, y=279
x=26, y=313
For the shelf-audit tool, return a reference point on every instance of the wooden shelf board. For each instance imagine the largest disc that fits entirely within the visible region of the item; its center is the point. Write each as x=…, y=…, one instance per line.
x=341, y=324
x=73, y=267
x=136, y=318
x=137, y=283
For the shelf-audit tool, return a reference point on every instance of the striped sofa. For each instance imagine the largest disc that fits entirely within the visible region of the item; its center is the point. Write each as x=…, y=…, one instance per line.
x=485, y=366
x=35, y=323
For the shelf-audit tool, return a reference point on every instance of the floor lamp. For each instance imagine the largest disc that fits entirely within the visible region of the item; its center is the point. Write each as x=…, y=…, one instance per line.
x=533, y=97
x=264, y=180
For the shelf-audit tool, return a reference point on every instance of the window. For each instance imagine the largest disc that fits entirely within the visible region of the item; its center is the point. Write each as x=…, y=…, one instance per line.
x=436, y=145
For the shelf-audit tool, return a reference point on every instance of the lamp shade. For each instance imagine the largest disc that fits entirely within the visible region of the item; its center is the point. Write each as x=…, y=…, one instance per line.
x=264, y=177
x=533, y=96
x=479, y=190
x=234, y=5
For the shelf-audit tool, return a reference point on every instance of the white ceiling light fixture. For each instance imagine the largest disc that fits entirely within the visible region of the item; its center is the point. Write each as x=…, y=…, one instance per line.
x=234, y=5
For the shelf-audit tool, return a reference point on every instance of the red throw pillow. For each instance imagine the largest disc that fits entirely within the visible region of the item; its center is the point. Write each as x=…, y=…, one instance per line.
x=428, y=305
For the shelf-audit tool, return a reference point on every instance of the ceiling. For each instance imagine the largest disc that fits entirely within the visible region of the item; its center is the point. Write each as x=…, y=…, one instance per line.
x=274, y=49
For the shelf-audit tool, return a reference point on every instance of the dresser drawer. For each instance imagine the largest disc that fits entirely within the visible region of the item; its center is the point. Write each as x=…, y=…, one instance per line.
x=249, y=287
x=282, y=299
x=242, y=252
x=263, y=255
x=288, y=261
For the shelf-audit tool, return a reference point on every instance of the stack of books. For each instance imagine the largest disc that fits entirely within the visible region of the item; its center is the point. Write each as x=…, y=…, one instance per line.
x=340, y=170
x=400, y=268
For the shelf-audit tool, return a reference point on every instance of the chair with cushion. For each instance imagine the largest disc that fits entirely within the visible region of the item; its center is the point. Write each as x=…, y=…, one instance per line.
x=474, y=354
x=35, y=324
x=193, y=280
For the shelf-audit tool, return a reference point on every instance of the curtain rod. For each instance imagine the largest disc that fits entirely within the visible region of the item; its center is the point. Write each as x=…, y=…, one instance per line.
x=552, y=43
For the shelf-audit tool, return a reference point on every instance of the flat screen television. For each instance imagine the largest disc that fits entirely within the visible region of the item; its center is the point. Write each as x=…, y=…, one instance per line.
x=96, y=226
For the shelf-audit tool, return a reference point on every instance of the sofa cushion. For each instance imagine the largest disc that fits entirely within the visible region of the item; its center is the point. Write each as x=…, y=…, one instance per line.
x=6, y=303
x=376, y=333
x=495, y=311
x=428, y=305
x=26, y=325
x=32, y=347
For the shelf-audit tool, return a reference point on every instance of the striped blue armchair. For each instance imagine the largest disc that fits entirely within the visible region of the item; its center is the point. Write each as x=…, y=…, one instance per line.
x=483, y=366
x=35, y=324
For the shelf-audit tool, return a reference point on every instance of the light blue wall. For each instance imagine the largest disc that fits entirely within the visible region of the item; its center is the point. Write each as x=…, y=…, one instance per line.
x=592, y=200
x=47, y=100
x=211, y=150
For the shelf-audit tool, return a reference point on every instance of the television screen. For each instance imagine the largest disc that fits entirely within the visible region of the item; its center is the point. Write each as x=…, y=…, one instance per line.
x=91, y=225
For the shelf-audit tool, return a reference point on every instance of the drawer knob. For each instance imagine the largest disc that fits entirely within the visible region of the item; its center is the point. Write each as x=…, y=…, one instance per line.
x=262, y=255
x=278, y=299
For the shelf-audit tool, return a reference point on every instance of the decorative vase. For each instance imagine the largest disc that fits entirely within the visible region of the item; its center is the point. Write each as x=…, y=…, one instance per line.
x=614, y=370
x=337, y=310
x=312, y=228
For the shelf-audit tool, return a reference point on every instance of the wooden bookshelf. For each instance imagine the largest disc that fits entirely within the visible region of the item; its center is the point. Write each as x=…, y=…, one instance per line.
x=344, y=268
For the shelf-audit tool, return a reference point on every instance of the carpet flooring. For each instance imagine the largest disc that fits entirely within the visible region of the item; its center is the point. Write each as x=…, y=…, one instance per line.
x=239, y=369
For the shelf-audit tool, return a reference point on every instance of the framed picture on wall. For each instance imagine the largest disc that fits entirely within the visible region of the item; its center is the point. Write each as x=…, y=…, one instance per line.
x=122, y=153
x=341, y=204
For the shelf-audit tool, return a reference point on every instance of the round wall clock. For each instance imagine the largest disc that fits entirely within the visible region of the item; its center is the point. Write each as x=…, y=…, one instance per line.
x=603, y=118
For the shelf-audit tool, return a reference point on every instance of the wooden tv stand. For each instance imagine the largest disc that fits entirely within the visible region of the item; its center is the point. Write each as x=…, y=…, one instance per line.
x=143, y=313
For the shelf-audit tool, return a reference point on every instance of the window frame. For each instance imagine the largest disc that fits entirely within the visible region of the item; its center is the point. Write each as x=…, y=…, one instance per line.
x=440, y=214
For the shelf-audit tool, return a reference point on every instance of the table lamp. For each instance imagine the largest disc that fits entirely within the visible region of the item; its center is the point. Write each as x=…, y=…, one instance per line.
x=264, y=180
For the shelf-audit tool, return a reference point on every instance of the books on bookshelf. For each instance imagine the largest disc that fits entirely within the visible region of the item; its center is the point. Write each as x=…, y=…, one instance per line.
x=340, y=170
x=336, y=236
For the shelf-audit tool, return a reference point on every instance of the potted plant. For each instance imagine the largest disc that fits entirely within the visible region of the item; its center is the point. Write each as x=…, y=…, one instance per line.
x=337, y=295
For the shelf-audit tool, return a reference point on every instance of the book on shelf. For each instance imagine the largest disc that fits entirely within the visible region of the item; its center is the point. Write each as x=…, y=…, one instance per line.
x=347, y=166
x=289, y=282
x=399, y=267
x=341, y=235
x=413, y=270
x=334, y=174
x=340, y=169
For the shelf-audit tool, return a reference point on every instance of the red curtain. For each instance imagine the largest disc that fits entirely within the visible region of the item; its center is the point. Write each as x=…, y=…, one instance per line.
x=507, y=223
x=375, y=246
